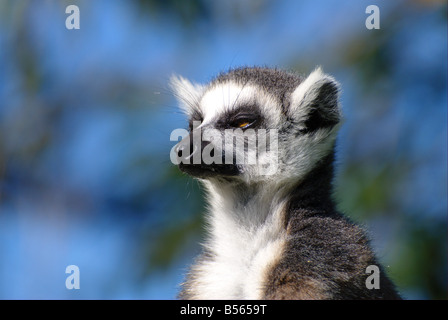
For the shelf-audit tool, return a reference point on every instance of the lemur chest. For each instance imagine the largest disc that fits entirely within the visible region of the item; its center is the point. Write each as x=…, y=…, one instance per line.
x=241, y=261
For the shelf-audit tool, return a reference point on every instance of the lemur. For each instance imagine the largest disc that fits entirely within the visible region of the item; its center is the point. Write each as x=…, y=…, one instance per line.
x=279, y=235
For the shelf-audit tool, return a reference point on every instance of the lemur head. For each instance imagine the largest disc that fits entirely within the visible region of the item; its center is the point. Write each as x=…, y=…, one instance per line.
x=297, y=116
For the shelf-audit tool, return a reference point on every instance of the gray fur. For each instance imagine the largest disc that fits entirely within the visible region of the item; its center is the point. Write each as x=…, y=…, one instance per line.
x=327, y=254
x=277, y=82
x=279, y=237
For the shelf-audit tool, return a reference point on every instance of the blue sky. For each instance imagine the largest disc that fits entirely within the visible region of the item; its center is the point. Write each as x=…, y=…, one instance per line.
x=40, y=234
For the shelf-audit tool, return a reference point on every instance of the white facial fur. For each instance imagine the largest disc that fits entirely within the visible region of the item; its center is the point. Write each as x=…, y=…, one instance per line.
x=187, y=93
x=297, y=153
x=245, y=224
x=228, y=96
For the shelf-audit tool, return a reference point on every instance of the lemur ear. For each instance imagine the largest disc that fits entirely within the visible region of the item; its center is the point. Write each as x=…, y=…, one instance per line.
x=315, y=101
x=187, y=93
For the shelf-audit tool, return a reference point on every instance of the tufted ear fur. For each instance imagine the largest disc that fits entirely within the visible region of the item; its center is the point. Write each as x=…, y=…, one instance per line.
x=315, y=102
x=187, y=93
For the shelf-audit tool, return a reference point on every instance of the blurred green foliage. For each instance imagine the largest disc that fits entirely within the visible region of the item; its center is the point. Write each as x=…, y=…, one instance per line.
x=369, y=185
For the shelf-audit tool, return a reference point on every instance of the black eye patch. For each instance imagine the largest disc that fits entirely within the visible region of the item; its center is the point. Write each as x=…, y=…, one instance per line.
x=243, y=121
x=244, y=117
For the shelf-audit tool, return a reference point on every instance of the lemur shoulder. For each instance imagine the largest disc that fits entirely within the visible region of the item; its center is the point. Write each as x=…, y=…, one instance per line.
x=278, y=235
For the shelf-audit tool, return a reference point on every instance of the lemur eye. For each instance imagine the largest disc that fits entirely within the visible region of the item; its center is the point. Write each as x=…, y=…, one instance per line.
x=243, y=122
